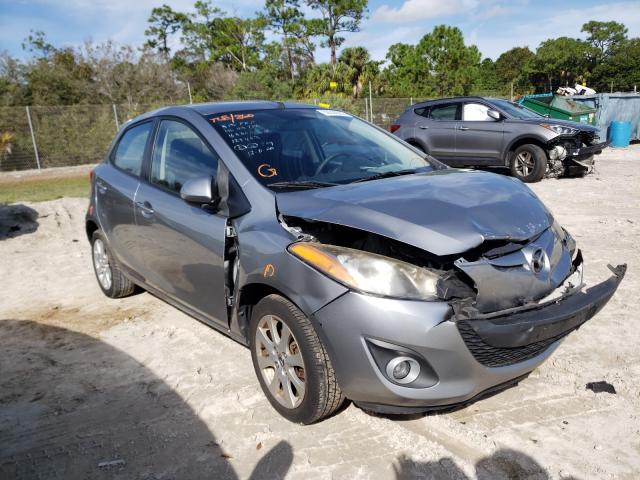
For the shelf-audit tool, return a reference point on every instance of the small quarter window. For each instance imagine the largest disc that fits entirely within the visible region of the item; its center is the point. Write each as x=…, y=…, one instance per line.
x=130, y=150
x=422, y=111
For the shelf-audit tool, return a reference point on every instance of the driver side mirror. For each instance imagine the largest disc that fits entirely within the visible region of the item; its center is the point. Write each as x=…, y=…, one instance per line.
x=200, y=190
x=494, y=114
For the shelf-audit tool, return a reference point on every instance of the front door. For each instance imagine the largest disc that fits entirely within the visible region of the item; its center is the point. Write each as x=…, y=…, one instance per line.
x=480, y=138
x=184, y=243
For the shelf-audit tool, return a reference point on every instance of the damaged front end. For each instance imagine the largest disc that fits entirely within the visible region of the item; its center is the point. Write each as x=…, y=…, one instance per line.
x=572, y=154
x=510, y=300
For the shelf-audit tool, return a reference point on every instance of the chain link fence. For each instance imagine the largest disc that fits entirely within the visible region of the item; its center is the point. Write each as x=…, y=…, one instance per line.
x=59, y=136
x=41, y=137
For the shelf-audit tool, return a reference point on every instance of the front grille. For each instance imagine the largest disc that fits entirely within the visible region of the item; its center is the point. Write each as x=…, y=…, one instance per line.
x=490, y=356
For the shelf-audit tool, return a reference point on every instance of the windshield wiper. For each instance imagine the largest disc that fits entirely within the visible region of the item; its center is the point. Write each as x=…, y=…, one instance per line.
x=301, y=184
x=394, y=173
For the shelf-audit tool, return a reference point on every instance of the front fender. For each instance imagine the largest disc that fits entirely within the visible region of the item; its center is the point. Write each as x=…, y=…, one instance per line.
x=536, y=139
x=265, y=261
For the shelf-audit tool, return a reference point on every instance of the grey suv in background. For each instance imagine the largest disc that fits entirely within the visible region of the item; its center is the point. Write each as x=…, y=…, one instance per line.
x=489, y=132
x=351, y=265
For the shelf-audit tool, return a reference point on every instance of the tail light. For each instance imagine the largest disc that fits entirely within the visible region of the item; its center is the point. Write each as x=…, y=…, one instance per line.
x=394, y=127
x=91, y=175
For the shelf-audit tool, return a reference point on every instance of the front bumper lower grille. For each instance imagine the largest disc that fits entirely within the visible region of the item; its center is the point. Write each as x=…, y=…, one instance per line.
x=491, y=356
x=516, y=335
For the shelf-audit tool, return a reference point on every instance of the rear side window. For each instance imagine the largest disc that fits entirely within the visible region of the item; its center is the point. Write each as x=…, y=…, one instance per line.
x=445, y=112
x=130, y=150
x=180, y=155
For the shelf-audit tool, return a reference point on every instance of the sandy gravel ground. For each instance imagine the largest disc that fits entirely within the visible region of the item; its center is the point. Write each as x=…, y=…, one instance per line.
x=97, y=388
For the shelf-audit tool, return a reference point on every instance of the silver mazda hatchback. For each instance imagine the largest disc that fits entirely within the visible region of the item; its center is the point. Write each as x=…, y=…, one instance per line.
x=352, y=265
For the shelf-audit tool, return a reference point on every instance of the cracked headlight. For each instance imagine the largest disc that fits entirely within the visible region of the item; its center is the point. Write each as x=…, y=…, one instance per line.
x=368, y=272
x=560, y=129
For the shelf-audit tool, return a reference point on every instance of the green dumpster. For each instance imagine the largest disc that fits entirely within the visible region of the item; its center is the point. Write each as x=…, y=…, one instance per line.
x=563, y=108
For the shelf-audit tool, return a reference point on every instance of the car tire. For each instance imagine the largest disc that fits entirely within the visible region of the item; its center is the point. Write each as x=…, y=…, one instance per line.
x=292, y=365
x=112, y=282
x=528, y=163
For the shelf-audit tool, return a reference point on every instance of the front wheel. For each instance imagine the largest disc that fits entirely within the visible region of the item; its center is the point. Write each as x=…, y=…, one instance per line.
x=528, y=163
x=291, y=363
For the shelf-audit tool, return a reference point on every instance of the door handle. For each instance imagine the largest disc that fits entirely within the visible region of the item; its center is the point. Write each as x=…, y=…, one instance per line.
x=463, y=128
x=102, y=188
x=145, y=208
x=423, y=127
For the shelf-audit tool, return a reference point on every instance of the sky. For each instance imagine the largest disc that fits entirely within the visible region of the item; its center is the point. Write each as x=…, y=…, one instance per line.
x=493, y=25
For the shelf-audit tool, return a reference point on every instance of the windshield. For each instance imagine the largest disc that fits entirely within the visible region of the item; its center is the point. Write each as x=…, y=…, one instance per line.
x=516, y=110
x=312, y=147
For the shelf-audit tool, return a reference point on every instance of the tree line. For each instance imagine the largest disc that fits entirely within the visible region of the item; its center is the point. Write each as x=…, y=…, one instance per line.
x=210, y=55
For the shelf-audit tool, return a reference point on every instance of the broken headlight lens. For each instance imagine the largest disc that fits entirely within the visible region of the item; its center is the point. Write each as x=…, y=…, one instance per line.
x=560, y=129
x=368, y=272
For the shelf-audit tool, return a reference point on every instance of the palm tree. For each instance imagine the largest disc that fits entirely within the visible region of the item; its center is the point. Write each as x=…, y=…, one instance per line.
x=359, y=67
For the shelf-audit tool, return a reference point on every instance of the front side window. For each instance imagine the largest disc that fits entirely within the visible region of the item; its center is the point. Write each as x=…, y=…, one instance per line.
x=476, y=112
x=129, y=153
x=179, y=155
x=445, y=112
x=306, y=144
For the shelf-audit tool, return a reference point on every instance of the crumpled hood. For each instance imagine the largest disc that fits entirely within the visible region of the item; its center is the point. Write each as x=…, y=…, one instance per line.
x=554, y=121
x=444, y=212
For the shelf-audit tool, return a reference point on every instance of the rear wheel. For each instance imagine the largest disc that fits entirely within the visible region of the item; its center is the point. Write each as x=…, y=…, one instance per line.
x=112, y=281
x=528, y=163
x=291, y=363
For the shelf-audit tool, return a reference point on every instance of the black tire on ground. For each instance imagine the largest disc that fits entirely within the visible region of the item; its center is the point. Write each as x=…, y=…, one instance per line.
x=575, y=171
x=578, y=171
x=528, y=163
x=120, y=285
x=322, y=395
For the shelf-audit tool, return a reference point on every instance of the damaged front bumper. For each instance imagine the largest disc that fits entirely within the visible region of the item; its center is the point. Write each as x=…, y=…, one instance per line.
x=564, y=155
x=586, y=152
x=463, y=354
x=509, y=336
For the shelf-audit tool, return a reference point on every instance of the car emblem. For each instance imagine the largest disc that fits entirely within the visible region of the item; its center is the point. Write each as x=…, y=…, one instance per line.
x=537, y=261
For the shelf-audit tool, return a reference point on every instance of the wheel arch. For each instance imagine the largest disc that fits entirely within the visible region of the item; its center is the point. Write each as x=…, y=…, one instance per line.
x=248, y=297
x=90, y=227
x=417, y=143
x=518, y=142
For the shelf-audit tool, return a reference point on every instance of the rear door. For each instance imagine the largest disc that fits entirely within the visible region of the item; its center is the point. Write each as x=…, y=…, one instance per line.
x=184, y=243
x=480, y=138
x=116, y=185
x=438, y=131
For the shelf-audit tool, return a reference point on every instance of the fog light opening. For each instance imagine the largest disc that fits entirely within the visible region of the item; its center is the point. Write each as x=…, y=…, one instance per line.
x=403, y=369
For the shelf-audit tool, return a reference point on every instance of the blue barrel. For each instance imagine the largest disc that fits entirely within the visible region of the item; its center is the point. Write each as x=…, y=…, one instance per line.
x=619, y=134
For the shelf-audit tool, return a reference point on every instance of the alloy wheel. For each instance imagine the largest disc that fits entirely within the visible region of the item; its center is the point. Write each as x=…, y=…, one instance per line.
x=280, y=361
x=524, y=164
x=101, y=264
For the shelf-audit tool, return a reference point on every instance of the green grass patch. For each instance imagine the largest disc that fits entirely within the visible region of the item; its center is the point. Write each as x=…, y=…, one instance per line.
x=41, y=189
